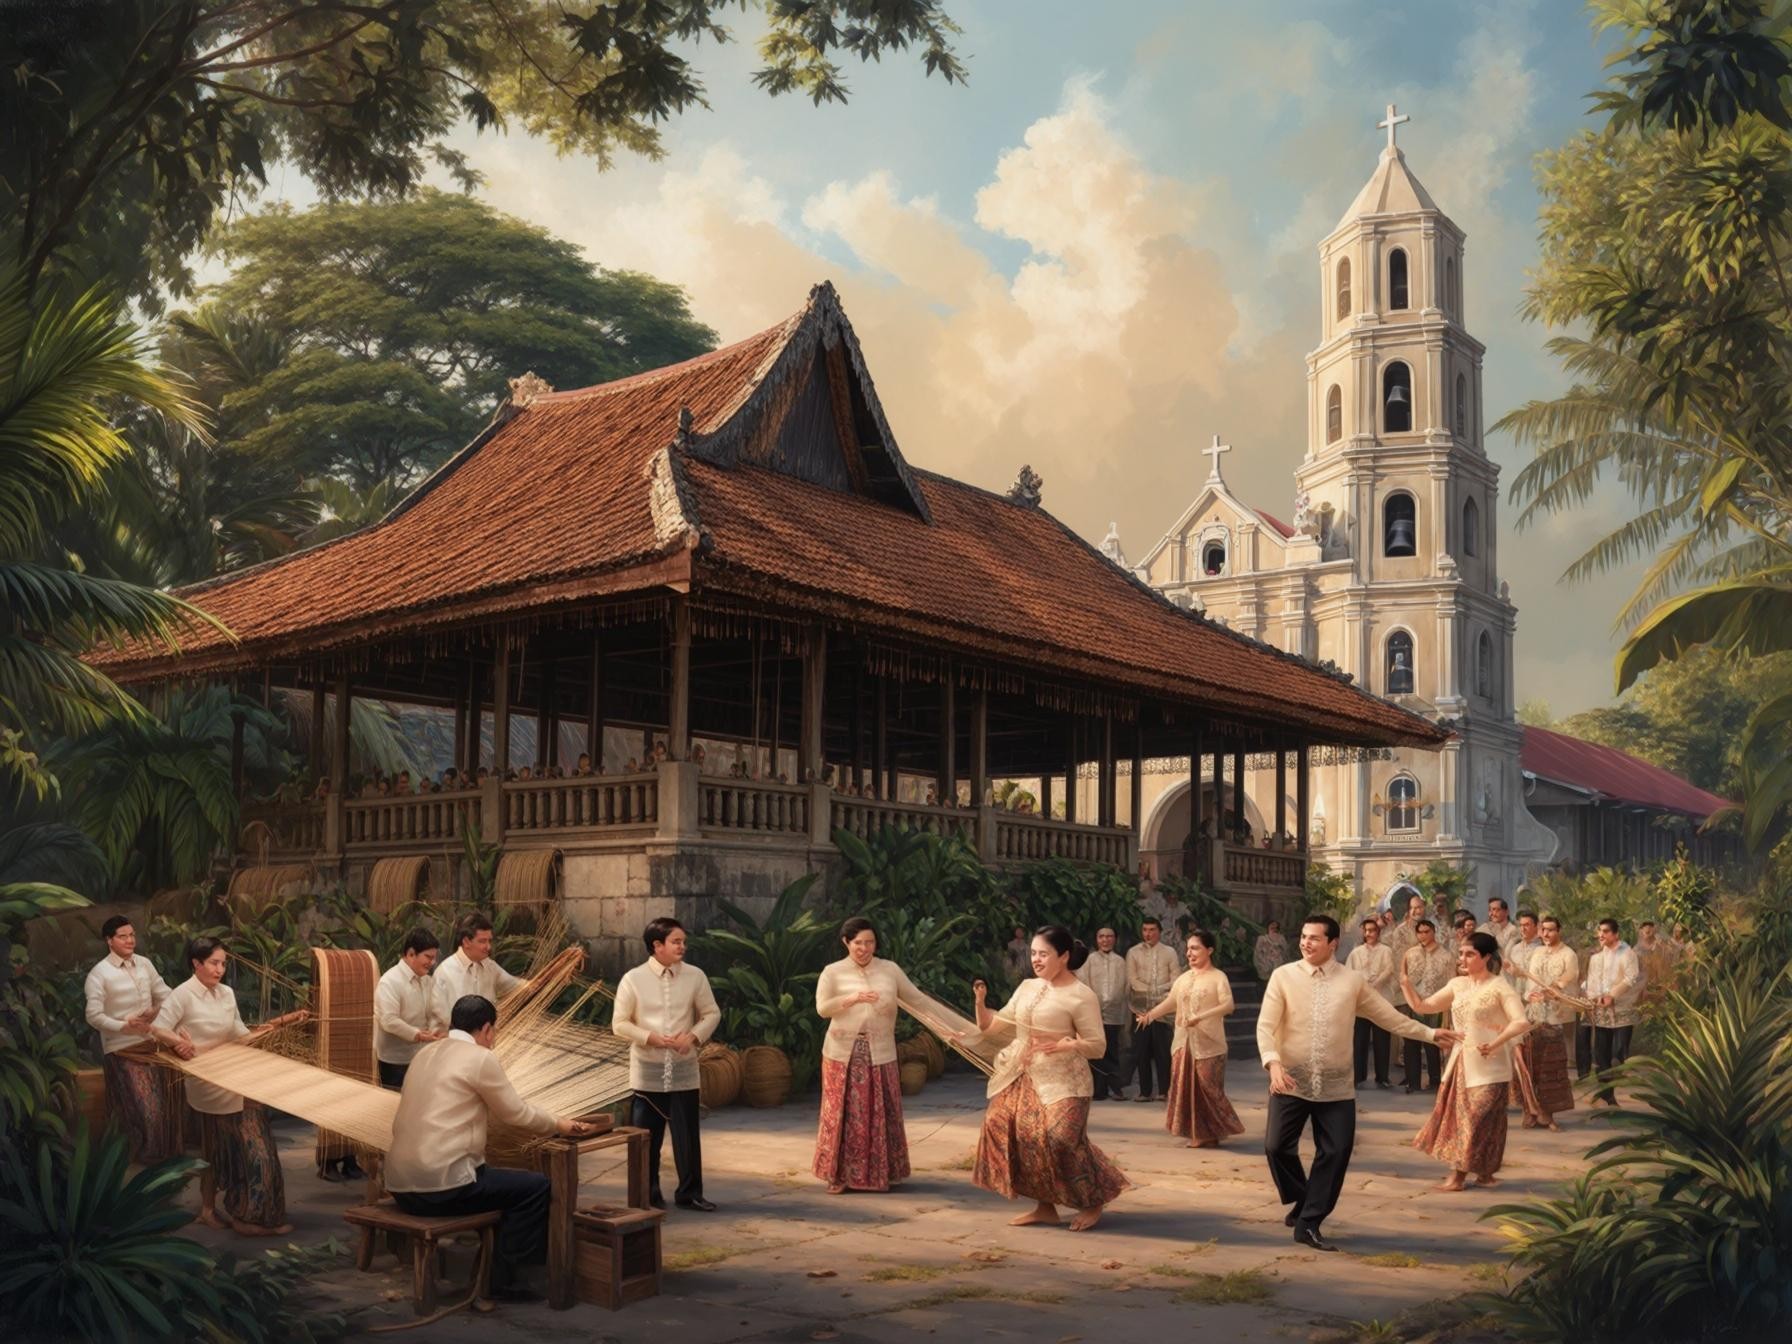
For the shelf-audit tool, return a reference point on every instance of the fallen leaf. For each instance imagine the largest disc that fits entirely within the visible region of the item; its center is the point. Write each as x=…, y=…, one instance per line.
x=1112, y=1264
x=823, y=1273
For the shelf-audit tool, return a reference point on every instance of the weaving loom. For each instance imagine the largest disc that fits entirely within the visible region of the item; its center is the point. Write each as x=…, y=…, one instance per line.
x=342, y=985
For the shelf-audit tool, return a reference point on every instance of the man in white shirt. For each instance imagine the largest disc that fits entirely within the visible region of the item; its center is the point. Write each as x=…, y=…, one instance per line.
x=123, y=994
x=1499, y=924
x=1304, y=1033
x=1105, y=973
x=1405, y=934
x=1374, y=961
x=665, y=1011
x=406, y=1016
x=471, y=969
x=436, y=1165
x=1429, y=965
x=1518, y=957
x=1151, y=968
x=1615, y=986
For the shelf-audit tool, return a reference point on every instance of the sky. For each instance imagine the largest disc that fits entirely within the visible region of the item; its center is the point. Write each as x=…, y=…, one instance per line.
x=1102, y=250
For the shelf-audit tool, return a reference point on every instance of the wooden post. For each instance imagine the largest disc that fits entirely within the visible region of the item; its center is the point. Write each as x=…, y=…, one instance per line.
x=1070, y=769
x=1219, y=790
x=947, y=777
x=317, y=732
x=815, y=671
x=1302, y=788
x=475, y=740
x=678, y=726
x=594, y=708
x=1107, y=806
x=339, y=744
x=1238, y=787
x=501, y=708
x=560, y=1164
x=1045, y=795
x=1135, y=803
x=1194, y=785
x=547, y=723
x=856, y=757
x=1281, y=821
x=459, y=751
x=980, y=748
x=881, y=772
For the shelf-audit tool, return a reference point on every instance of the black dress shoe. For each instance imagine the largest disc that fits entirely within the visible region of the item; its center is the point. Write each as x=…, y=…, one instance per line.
x=1410, y=1089
x=1384, y=1086
x=1309, y=1237
x=658, y=1201
x=700, y=1204
x=1292, y=1218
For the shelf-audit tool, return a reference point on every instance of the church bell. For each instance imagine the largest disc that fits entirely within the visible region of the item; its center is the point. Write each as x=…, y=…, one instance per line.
x=1401, y=540
x=1397, y=396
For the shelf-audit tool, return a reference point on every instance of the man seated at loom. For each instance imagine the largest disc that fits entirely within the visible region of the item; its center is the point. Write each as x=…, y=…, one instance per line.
x=436, y=1166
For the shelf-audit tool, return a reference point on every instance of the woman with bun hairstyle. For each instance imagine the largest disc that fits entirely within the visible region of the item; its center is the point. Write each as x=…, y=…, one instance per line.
x=1035, y=1143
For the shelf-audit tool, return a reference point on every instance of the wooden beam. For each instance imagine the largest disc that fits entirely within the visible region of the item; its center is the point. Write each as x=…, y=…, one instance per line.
x=1107, y=806
x=340, y=739
x=1281, y=821
x=1238, y=786
x=1194, y=784
x=1218, y=829
x=317, y=730
x=883, y=772
x=594, y=707
x=1302, y=796
x=947, y=777
x=815, y=673
x=1072, y=750
x=980, y=748
x=501, y=708
x=678, y=727
x=1135, y=803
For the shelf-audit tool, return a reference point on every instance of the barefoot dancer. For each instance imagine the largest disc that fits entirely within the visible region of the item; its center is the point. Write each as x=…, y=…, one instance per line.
x=1467, y=1128
x=1201, y=1000
x=1035, y=1143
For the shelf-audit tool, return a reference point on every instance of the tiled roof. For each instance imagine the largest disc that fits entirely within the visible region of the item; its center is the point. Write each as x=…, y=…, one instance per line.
x=579, y=494
x=1276, y=523
x=1613, y=774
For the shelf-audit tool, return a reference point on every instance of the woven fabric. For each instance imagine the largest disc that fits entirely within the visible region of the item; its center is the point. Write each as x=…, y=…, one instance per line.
x=343, y=982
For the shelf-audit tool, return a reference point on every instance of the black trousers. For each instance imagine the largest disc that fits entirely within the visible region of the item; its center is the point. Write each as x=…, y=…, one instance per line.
x=392, y=1075
x=1314, y=1194
x=1107, y=1069
x=521, y=1195
x=1611, y=1045
x=1583, y=1049
x=655, y=1112
x=1414, y=1051
x=1151, y=1056
x=1371, y=1039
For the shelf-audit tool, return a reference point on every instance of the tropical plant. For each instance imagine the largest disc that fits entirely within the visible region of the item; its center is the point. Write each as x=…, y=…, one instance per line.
x=767, y=974
x=1683, y=893
x=1440, y=877
x=1235, y=933
x=1579, y=902
x=38, y=1056
x=480, y=864
x=1083, y=898
x=1330, y=893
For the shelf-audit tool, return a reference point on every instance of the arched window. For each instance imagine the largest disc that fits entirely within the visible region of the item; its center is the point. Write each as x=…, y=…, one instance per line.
x=1461, y=406
x=1397, y=285
x=1471, y=527
x=1396, y=398
x=1484, y=666
x=1344, y=289
x=1399, y=678
x=1400, y=525
x=1334, y=414
x=1450, y=284
x=1213, y=558
x=1403, y=803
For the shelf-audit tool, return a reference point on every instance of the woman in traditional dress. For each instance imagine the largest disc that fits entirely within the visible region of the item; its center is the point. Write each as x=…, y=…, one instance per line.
x=1467, y=1128
x=1271, y=951
x=860, y=1144
x=1201, y=999
x=1035, y=1143
x=242, y=1160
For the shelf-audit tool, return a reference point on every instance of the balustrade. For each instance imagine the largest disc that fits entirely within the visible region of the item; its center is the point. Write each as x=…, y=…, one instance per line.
x=750, y=805
x=865, y=817
x=1021, y=839
x=411, y=819
x=581, y=802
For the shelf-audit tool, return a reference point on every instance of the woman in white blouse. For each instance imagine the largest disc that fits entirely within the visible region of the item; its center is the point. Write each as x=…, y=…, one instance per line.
x=1035, y=1143
x=860, y=1144
x=1201, y=999
x=1467, y=1128
x=236, y=1140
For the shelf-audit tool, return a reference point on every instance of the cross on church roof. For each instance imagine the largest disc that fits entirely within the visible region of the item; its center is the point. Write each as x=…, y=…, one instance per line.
x=1391, y=124
x=1214, y=452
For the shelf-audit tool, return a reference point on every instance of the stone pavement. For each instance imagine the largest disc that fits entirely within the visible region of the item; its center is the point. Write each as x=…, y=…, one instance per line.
x=1197, y=1244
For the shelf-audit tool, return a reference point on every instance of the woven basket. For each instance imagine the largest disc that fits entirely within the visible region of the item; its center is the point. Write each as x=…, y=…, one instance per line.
x=912, y=1048
x=936, y=1055
x=914, y=1076
x=764, y=1076
x=718, y=1073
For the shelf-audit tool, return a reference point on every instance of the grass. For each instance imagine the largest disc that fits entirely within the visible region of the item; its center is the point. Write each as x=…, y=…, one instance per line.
x=965, y=1163
x=1376, y=1332
x=1393, y=1260
x=910, y=1273
x=1215, y=1290
x=969, y=1292
x=1489, y=1272
x=699, y=1256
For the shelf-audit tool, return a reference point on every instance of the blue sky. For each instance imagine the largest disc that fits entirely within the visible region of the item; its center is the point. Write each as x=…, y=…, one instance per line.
x=1102, y=250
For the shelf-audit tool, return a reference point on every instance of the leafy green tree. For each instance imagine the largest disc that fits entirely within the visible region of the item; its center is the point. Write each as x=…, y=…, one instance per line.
x=403, y=322
x=132, y=125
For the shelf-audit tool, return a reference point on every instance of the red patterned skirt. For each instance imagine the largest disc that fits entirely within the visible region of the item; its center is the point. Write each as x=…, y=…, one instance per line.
x=242, y=1151
x=1028, y=1150
x=860, y=1142
x=1541, y=1069
x=1467, y=1128
x=1198, y=1106
x=145, y=1101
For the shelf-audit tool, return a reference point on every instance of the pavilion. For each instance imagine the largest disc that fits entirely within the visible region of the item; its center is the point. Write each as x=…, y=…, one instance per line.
x=733, y=553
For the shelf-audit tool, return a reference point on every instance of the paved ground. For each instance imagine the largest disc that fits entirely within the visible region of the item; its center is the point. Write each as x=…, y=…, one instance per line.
x=782, y=1260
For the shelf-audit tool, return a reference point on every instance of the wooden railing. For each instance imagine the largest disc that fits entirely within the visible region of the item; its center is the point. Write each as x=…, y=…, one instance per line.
x=1246, y=867
x=290, y=828
x=413, y=819
x=752, y=806
x=1022, y=839
x=865, y=817
x=602, y=801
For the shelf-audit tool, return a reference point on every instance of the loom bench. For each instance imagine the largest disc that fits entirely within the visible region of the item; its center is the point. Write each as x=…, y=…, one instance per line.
x=423, y=1235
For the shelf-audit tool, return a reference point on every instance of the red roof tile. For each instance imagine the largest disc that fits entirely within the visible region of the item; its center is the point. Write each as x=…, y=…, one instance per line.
x=1615, y=774
x=1276, y=523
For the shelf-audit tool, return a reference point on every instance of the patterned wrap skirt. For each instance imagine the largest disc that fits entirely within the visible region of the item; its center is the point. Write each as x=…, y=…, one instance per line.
x=145, y=1101
x=1467, y=1128
x=1541, y=1068
x=242, y=1151
x=1198, y=1106
x=1032, y=1151
x=860, y=1142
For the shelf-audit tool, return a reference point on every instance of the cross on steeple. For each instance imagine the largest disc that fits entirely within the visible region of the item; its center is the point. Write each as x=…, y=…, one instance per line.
x=1391, y=124
x=1214, y=452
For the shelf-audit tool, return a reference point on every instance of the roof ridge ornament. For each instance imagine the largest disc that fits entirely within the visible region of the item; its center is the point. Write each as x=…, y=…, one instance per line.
x=526, y=390
x=1028, y=489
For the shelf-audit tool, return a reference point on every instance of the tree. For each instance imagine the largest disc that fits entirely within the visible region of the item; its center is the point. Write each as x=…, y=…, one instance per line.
x=131, y=125
x=402, y=322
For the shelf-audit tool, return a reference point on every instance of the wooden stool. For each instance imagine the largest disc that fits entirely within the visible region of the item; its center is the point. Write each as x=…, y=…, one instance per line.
x=618, y=1255
x=423, y=1234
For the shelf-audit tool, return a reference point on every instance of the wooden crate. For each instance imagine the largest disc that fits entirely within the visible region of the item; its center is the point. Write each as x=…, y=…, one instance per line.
x=616, y=1255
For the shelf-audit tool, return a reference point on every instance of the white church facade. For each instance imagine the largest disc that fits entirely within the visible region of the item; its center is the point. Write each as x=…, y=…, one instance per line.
x=1388, y=568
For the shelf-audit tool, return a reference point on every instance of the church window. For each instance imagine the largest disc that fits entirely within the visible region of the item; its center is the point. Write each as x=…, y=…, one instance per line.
x=1484, y=666
x=1471, y=527
x=1334, y=414
x=1344, y=289
x=1213, y=558
x=1396, y=398
x=1399, y=663
x=1461, y=406
x=1403, y=803
x=1397, y=282
x=1400, y=525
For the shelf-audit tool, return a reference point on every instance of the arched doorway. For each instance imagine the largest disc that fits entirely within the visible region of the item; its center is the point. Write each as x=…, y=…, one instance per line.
x=1167, y=840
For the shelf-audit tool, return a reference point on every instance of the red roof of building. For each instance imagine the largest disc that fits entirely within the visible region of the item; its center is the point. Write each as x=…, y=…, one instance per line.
x=576, y=495
x=1612, y=774
x=1276, y=523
